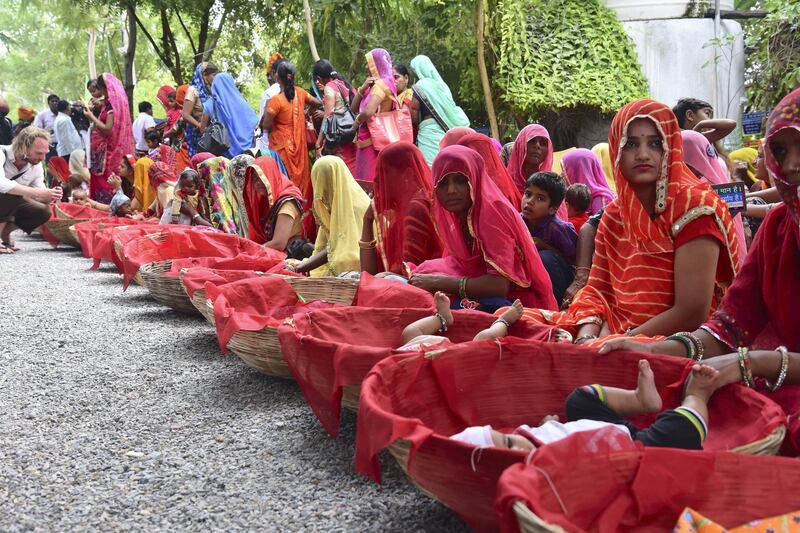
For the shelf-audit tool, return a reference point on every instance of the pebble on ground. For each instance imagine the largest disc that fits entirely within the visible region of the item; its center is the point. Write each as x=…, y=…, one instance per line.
x=121, y=415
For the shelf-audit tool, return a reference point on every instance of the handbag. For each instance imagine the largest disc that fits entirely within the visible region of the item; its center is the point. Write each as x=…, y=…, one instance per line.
x=338, y=127
x=215, y=139
x=389, y=127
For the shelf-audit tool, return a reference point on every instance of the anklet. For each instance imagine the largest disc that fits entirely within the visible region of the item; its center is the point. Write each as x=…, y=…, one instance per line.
x=502, y=321
x=442, y=329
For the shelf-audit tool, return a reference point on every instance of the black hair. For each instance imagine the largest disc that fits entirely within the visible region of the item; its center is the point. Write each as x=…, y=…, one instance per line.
x=286, y=73
x=210, y=68
x=62, y=106
x=145, y=107
x=551, y=183
x=191, y=174
x=52, y=97
x=400, y=68
x=153, y=135
x=324, y=70
x=579, y=196
x=688, y=104
x=173, y=94
x=278, y=62
x=91, y=82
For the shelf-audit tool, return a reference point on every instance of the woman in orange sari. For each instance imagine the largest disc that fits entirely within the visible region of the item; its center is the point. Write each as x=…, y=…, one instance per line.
x=401, y=212
x=182, y=156
x=285, y=120
x=666, y=248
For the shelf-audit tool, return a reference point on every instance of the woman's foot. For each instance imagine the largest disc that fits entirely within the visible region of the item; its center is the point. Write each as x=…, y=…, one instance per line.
x=702, y=382
x=646, y=390
x=443, y=307
x=10, y=246
x=5, y=250
x=513, y=313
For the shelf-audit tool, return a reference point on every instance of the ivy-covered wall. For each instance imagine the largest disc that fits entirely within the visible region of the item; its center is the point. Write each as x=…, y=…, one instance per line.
x=565, y=54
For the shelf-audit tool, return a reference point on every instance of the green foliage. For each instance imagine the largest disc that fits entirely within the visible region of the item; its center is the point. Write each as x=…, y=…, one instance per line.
x=562, y=54
x=772, y=66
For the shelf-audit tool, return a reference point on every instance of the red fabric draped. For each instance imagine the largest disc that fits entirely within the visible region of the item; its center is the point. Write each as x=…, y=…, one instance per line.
x=269, y=265
x=265, y=190
x=81, y=211
x=634, y=488
x=104, y=239
x=507, y=383
x=502, y=242
x=494, y=165
x=454, y=135
x=403, y=206
x=161, y=172
x=177, y=242
x=196, y=277
x=87, y=230
x=59, y=168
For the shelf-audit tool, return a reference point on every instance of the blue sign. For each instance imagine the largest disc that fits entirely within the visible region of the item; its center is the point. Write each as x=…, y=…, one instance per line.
x=751, y=122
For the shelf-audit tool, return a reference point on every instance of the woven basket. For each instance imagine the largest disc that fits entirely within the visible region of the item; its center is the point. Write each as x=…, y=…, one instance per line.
x=261, y=349
x=118, y=250
x=74, y=236
x=166, y=290
x=400, y=450
x=60, y=228
x=61, y=215
x=530, y=523
x=769, y=445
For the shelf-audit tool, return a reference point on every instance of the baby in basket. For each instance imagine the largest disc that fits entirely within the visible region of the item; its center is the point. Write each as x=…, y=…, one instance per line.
x=421, y=333
x=594, y=406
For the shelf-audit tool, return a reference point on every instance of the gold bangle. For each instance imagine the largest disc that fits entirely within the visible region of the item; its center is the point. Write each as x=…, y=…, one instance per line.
x=367, y=245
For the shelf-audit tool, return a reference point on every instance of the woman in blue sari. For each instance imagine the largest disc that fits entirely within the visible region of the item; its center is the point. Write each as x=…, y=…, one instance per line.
x=233, y=111
x=196, y=95
x=433, y=108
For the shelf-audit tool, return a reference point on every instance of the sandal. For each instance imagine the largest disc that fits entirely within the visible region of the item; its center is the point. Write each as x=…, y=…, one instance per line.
x=10, y=246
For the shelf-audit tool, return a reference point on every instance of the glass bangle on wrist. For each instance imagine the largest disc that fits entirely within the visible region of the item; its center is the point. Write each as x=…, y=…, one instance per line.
x=744, y=367
x=782, y=372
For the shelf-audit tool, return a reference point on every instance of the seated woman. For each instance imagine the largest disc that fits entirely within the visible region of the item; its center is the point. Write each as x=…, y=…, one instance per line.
x=489, y=258
x=162, y=181
x=401, y=212
x=494, y=165
x=143, y=194
x=433, y=108
x=583, y=166
x=225, y=210
x=592, y=407
x=274, y=208
x=422, y=333
x=665, y=249
x=760, y=311
x=122, y=181
x=187, y=207
x=339, y=205
x=532, y=152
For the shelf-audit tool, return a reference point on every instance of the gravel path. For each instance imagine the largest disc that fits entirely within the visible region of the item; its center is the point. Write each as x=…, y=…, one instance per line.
x=117, y=414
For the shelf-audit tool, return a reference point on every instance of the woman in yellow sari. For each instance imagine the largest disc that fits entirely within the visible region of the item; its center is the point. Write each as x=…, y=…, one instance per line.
x=601, y=151
x=143, y=193
x=339, y=206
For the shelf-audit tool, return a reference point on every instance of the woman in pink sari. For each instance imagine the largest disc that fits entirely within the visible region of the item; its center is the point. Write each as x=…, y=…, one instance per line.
x=112, y=136
x=532, y=152
x=701, y=157
x=583, y=166
x=489, y=259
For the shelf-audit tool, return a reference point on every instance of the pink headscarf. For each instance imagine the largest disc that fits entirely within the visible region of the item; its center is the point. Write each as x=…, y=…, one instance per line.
x=379, y=63
x=454, y=135
x=583, y=166
x=700, y=154
x=199, y=158
x=502, y=242
x=520, y=150
x=120, y=141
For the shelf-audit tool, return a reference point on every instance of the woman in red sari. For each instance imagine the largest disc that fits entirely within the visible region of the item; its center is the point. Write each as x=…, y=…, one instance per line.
x=494, y=165
x=759, y=315
x=112, y=136
x=489, y=259
x=665, y=250
x=274, y=205
x=401, y=212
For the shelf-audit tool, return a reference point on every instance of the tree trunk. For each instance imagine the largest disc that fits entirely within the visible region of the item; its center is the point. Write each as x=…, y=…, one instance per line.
x=487, y=90
x=90, y=52
x=310, y=30
x=212, y=44
x=202, y=38
x=130, y=54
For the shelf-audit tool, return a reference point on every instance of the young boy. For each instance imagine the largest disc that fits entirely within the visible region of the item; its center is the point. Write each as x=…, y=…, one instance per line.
x=141, y=125
x=579, y=199
x=593, y=407
x=554, y=238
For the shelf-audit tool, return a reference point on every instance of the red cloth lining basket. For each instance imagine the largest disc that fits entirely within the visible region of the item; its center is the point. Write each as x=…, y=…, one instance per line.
x=86, y=231
x=634, y=488
x=413, y=404
x=330, y=352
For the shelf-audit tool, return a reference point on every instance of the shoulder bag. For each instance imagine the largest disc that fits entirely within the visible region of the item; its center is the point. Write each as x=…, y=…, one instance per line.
x=215, y=139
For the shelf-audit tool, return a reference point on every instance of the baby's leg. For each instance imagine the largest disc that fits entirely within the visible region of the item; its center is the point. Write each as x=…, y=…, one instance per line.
x=500, y=326
x=430, y=324
x=644, y=399
x=702, y=384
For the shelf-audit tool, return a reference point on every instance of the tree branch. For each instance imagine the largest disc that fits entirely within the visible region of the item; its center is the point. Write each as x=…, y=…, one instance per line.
x=215, y=36
x=164, y=59
x=186, y=31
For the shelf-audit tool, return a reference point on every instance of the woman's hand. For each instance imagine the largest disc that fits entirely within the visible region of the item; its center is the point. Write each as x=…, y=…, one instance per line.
x=728, y=367
x=428, y=282
x=368, y=83
x=627, y=344
x=115, y=182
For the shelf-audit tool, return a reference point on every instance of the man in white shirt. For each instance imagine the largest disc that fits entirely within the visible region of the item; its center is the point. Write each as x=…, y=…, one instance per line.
x=47, y=118
x=143, y=123
x=24, y=200
x=67, y=138
x=272, y=90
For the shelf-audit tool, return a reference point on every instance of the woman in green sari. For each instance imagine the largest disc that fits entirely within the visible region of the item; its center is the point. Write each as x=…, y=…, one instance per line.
x=433, y=108
x=227, y=211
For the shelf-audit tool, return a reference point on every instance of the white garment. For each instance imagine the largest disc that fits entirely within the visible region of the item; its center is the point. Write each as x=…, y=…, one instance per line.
x=553, y=430
x=45, y=120
x=142, y=123
x=67, y=138
x=32, y=175
x=273, y=90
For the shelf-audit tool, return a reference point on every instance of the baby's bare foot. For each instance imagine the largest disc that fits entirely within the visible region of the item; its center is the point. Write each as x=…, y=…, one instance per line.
x=443, y=307
x=513, y=313
x=646, y=389
x=703, y=381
